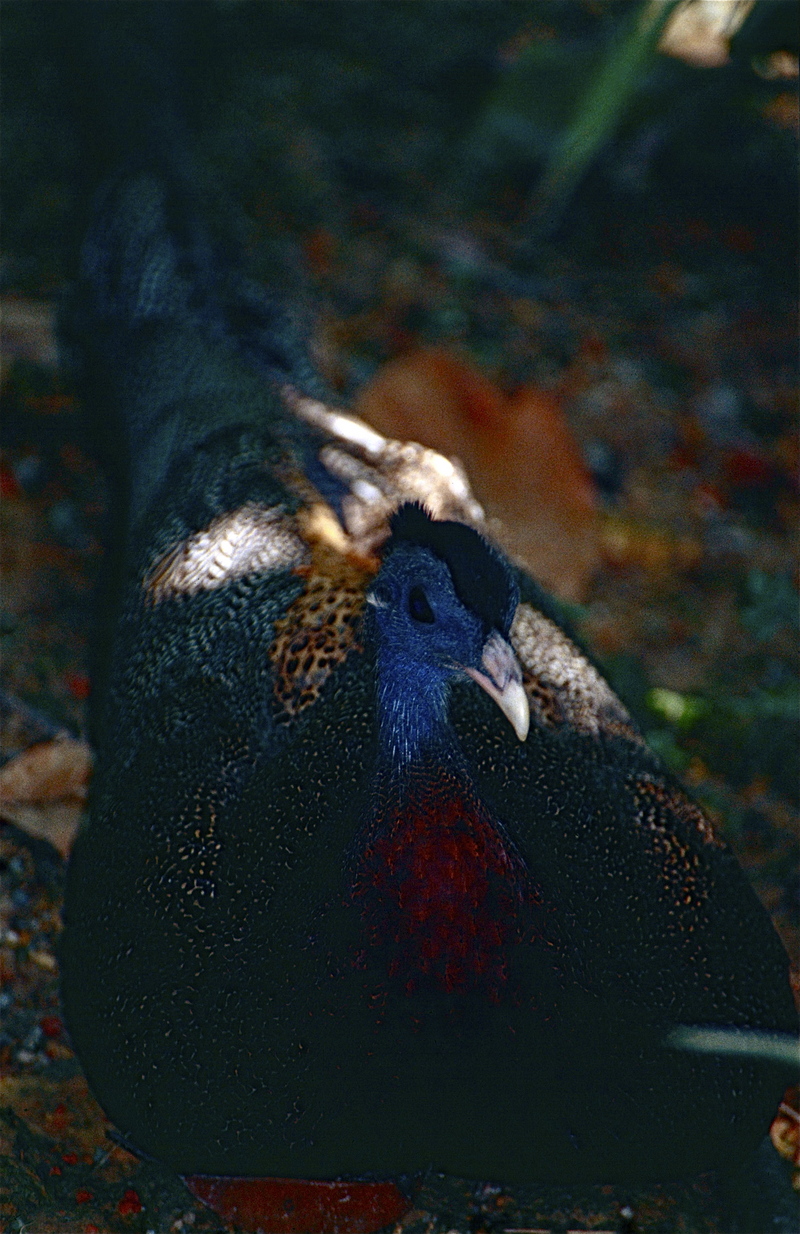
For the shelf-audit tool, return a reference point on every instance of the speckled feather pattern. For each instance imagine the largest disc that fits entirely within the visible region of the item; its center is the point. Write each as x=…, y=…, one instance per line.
x=319, y=630
x=562, y=685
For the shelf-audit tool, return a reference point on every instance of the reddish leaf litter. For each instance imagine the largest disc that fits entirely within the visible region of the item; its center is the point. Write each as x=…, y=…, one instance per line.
x=287, y=1205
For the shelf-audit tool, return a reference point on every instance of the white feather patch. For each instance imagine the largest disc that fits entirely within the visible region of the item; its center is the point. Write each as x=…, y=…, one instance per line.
x=251, y=540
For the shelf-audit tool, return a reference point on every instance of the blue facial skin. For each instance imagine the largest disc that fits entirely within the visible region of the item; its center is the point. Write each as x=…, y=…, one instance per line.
x=425, y=638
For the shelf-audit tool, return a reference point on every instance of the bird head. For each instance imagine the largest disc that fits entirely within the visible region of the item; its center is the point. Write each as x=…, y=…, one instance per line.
x=443, y=603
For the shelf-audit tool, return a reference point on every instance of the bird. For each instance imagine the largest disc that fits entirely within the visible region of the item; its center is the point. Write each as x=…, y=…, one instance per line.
x=379, y=875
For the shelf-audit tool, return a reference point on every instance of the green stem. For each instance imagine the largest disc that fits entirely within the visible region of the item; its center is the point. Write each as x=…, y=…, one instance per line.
x=599, y=111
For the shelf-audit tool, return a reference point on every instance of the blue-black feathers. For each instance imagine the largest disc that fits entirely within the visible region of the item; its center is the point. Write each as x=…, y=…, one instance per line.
x=482, y=580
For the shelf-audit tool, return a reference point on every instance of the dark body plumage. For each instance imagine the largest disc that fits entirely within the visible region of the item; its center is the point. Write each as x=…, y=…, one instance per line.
x=249, y=974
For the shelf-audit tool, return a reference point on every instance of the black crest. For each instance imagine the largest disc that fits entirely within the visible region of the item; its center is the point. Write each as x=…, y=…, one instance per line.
x=482, y=580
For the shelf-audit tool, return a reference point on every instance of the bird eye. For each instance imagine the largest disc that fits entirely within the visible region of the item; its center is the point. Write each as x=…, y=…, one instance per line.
x=418, y=606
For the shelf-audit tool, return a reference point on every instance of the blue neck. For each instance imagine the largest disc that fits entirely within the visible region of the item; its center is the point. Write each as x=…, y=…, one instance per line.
x=412, y=710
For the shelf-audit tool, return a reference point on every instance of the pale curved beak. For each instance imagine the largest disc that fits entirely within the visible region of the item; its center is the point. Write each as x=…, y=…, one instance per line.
x=502, y=681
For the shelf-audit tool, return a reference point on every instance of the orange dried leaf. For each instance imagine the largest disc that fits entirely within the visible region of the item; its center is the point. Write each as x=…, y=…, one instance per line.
x=519, y=453
x=43, y=790
x=785, y=1129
